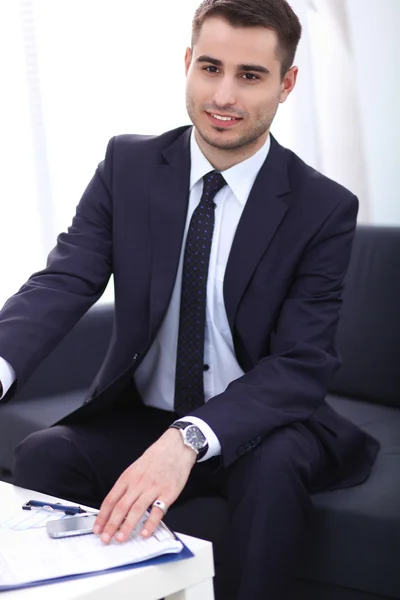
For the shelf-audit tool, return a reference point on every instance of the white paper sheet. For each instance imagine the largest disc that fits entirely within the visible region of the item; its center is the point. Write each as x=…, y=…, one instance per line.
x=29, y=519
x=31, y=555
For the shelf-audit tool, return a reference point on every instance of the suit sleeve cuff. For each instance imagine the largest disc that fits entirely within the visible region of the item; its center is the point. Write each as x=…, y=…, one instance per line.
x=7, y=376
x=214, y=447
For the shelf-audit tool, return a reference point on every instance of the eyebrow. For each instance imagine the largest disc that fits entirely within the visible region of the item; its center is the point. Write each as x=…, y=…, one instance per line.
x=218, y=63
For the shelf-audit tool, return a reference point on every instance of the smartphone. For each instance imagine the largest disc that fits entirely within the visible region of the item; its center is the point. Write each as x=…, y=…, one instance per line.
x=80, y=525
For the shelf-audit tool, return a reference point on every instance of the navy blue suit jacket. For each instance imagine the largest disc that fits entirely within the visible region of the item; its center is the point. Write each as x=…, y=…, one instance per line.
x=282, y=288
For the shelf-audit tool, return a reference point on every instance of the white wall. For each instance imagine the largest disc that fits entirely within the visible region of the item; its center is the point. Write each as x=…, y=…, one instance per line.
x=374, y=34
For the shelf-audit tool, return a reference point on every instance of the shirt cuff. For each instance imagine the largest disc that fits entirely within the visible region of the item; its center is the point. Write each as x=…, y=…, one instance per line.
x=214, y=447
x=7, y=376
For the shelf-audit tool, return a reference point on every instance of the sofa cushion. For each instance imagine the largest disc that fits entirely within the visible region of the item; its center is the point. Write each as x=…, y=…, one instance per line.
x=354, y=538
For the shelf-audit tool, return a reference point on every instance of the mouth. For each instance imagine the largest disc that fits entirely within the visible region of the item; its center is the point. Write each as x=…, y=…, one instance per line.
x=222, y=121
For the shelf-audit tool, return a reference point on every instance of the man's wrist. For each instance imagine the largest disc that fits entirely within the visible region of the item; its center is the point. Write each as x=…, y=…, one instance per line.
x=176, y=436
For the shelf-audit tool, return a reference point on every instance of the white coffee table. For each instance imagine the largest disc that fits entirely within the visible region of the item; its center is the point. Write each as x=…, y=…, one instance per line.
x=189, y=579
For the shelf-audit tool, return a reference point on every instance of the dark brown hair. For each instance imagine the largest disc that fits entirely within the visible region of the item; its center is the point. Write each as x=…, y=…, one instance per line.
x=273, y=14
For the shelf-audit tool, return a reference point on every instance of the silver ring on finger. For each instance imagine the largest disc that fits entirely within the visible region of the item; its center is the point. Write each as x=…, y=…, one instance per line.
x=160, y=504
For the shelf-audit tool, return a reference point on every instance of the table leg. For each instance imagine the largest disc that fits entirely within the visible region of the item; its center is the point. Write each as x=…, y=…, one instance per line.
x=201, y=591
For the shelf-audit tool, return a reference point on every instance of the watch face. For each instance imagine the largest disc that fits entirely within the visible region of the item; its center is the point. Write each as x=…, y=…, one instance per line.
x=195, y=438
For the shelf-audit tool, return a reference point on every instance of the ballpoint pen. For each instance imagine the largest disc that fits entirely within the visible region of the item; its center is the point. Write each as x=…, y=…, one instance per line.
x=65, y=508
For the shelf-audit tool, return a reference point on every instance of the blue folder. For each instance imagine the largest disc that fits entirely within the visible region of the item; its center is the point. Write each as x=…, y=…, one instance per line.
x=159, y=560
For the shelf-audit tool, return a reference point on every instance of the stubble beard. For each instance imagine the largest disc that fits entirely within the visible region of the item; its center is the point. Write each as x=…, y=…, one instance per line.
x=261, y=125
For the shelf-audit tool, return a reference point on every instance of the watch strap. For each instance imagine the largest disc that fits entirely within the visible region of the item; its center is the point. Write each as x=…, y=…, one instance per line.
x=181, y=424
x=201, y=453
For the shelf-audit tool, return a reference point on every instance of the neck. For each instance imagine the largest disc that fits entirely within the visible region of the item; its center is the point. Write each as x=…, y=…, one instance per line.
x=223, y=159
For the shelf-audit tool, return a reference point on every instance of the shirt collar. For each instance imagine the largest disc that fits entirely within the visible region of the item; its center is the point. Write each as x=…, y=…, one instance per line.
x=240, y=178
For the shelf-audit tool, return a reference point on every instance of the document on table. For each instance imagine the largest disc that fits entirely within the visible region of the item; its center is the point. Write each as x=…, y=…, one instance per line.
x=19, y=520
x=32, y=556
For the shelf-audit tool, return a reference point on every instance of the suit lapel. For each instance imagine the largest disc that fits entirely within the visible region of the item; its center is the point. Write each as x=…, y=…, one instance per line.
x=169, y=195
x=262, y=215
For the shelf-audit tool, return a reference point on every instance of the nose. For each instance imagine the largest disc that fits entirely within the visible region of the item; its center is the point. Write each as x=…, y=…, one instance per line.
x=224, y=94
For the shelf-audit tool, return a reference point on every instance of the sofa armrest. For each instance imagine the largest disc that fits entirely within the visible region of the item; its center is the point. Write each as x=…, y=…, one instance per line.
x=59, y=384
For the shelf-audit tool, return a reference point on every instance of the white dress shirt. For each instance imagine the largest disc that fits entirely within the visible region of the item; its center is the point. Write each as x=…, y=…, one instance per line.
x=155, y=377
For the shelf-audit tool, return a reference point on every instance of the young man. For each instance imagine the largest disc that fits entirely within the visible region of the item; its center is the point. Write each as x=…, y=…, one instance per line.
x=228, y=255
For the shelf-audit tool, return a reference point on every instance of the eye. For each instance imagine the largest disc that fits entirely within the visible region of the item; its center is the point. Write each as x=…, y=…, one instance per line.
x=250, y=77
x=211, y=69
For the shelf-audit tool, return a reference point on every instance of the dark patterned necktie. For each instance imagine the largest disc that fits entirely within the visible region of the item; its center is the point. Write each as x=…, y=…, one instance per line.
x=189, y=389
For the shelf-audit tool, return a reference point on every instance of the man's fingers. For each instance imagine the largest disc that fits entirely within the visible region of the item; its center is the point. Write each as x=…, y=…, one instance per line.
x=117, y=516
x=107, y=507
x=132, y=518
x=156, y=515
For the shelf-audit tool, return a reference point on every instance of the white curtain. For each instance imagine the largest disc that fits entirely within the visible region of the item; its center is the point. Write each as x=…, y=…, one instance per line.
x=337, y=108
x=76, y=73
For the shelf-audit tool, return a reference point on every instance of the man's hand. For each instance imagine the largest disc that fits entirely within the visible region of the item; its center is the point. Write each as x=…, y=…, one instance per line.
x=160, y=473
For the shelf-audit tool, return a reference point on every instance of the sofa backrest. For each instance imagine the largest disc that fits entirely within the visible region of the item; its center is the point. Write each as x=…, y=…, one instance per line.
x=77, y=358
x=369, y=330
x=368, y=334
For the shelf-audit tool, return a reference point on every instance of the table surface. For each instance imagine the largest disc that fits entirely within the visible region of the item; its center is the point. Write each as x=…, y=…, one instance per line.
x=148, y=583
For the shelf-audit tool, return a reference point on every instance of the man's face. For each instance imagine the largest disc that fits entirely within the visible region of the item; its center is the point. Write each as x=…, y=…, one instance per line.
x=234, y=86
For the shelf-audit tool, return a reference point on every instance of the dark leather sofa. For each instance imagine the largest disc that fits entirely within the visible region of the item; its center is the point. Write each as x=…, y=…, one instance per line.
x=352, y=550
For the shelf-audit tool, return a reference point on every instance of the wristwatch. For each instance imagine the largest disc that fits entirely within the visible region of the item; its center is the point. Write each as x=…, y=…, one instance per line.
x=193, y=437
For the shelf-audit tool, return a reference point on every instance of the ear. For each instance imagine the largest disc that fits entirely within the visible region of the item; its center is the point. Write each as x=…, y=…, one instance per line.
x=288, y=83
x=188, y=59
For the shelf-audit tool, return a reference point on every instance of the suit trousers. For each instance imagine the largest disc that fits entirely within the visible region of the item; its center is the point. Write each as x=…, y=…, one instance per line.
x=267, y=490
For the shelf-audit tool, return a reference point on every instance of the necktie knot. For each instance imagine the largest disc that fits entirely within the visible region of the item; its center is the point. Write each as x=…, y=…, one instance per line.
x=213, y=182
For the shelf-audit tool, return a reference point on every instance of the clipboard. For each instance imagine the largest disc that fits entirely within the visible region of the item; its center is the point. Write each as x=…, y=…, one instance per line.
x=21, y=542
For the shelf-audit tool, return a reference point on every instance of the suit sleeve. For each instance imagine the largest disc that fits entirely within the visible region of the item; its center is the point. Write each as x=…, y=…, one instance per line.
x=48, y=305
x=291, y=382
